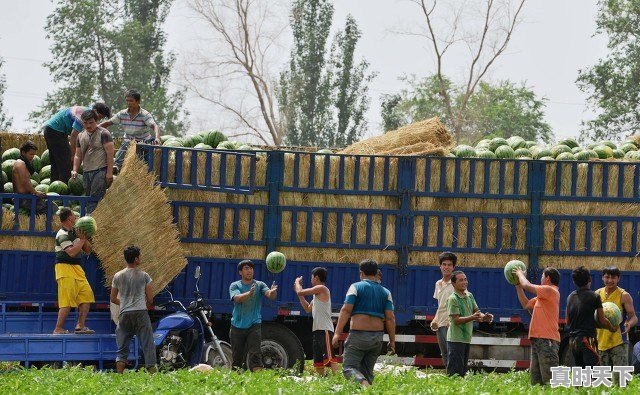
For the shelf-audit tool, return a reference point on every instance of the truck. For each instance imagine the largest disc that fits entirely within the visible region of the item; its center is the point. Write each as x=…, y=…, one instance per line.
x=333, y=210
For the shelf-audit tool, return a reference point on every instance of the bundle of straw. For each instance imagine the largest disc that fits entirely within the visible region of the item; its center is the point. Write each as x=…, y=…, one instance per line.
x=427, y=137
x=136, y=211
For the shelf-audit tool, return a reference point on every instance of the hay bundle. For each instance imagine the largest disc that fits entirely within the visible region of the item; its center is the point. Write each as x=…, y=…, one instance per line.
x=136, y=211
x=15, y=140
x=428, y=137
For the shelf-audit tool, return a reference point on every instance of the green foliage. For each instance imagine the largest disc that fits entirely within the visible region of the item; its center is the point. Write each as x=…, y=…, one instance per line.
x=323, y=95
x=612, y=83
x=503, y=109
x=101, y=48
x=72, y=381
x=5, y=121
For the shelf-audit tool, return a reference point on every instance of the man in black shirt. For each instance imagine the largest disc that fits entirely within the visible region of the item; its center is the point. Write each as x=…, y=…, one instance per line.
x=581, y=306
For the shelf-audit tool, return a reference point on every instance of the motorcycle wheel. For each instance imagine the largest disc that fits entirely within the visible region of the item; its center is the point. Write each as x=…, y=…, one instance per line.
x=216, y=361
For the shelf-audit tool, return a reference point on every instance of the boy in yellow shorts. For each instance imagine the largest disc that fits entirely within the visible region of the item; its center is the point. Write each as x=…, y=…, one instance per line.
x=73, y=288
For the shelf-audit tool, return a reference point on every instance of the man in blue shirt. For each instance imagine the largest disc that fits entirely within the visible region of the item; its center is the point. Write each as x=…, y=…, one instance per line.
x=370, y=307
x=245, y=333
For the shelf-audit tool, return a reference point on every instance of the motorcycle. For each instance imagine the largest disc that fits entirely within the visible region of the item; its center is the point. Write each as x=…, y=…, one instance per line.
x=185, y=338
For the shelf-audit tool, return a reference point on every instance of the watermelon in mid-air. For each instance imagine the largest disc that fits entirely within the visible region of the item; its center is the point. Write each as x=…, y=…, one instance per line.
x=276, y=262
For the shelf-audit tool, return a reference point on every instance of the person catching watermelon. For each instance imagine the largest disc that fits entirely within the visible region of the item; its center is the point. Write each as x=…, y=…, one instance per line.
x=246, y=319
x=95, y=152
x=73, y=288
x=613, y=346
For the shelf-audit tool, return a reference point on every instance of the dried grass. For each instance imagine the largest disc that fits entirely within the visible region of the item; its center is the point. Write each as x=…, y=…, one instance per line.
x=590, y=262
x=136, y=211
x=424, y=258
x=15, y=140
x=430, y=131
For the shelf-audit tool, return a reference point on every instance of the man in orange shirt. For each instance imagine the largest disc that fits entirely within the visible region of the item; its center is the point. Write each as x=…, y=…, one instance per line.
x=543, y=329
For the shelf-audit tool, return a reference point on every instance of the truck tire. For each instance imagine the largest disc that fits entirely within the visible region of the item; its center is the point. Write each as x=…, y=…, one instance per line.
x=280, y=348
x=215, y=361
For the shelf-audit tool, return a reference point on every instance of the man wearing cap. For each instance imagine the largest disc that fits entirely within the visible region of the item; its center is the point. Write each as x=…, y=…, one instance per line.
x=245, y=333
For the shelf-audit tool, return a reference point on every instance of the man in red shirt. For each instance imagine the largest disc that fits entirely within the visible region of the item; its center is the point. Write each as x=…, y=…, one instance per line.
x=543, y=329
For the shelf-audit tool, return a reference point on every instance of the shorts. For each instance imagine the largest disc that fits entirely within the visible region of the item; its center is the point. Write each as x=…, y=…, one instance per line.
x=322, y=349
x=72, y=292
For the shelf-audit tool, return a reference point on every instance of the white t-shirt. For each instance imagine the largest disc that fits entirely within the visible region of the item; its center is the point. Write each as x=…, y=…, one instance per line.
x=441, y=293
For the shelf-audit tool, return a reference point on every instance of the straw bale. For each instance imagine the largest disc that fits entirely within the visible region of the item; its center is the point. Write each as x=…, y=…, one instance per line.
x=428, y=258
x=597, y=228
x=336, y=255
x=430, y=130
x=15, y=140
x=136, y=211
x=590, y=262
x=424, y=148
x=228, y=251
x=472, y=205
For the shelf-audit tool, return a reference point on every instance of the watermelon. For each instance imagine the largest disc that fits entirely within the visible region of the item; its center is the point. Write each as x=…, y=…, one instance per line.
x=87, y=225
x=11, y=153
x=8, y=187
x=36, y=163
x=497, y=142
x=44, y=158
x=465, y=151
x=516, y=142
x=245, y=147
x=485, y=154
x=558, y=149
x=611, y=313
x=484, y=143
x=166, y=137
x=76, y=187
x=618, y=154
x=325, y=151
x=626, y=147
x=630, y=141
x=592, y=145
x=213, y=138
x=566, y=156
x=172, y=143
x=583, y=155
x=45, y=172
x=546, y=158
x=592, y=154
x=7, y=167
x=505, y=152
x=571, y=143
x=276, y=262
x=194, y=140
x=230, y=145
x=575, y=150
x=35, y=176
x=59, y=187
x=539, y=151
x=523, y=153
x=45, y=181
x=450, y=155
x=609, y=144
x=3, y=177
x=34, y=183
x=202, y=146
x=603, y=151
x=530, y=144
x=44, y=188
x=508, y=271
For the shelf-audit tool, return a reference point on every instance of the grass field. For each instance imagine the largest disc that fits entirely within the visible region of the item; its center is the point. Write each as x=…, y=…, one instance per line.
x=70, y=381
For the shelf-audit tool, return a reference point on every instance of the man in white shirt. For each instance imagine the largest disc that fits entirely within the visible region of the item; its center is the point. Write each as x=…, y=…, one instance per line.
x=443, y=289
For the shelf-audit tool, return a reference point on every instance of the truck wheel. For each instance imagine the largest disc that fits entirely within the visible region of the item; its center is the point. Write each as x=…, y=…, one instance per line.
x=216, y=361
x=280, y=348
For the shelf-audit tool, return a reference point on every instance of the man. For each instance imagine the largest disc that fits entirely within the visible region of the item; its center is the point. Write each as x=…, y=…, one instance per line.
x=442, y=290
x=131, y=289
x=245, y=334
x=61, y=134
x=543, y=329
x=21, y=179
x=95, y=153
x=581, y=306
x=369, y=308
x=462, y=310
x=322, y=327
x=136, y=123
x=613, y=346
x=73, y=288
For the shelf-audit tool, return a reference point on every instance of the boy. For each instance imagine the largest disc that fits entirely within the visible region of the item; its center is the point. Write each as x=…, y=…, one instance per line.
x=462, y=310
x=322, y=327
x=443, y=289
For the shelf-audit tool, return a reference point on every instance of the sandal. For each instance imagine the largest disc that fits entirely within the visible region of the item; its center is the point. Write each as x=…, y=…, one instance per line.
x=63, y=332
x=84, y=331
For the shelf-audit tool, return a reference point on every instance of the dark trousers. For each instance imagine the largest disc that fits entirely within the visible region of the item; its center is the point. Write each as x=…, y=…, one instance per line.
x=59, y=154
x=584, y=350
x=135, y=323
x=441, y=335
x=94, y=186
x=246, y=342
x=361, y=350
x=458, y=358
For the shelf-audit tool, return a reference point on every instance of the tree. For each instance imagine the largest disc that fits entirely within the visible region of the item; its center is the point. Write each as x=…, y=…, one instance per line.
x=5, y=120
x=235, y=75
x=101, y=48
x=484, y=32
x=612, y=83
x=324, y=94
x=503, y=109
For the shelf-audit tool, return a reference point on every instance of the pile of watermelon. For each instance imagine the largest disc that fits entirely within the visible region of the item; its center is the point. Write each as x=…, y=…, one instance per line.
x=207, y=140
x=568, y=149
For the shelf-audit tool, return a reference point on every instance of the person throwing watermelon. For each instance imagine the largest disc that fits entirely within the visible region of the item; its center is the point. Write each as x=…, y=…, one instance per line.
x=245, y=333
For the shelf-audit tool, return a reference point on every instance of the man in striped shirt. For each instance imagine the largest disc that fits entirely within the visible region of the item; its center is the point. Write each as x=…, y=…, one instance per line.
x=137, y=124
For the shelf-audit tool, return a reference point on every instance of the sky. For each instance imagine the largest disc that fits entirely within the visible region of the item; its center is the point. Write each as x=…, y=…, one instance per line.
x=555, y=40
